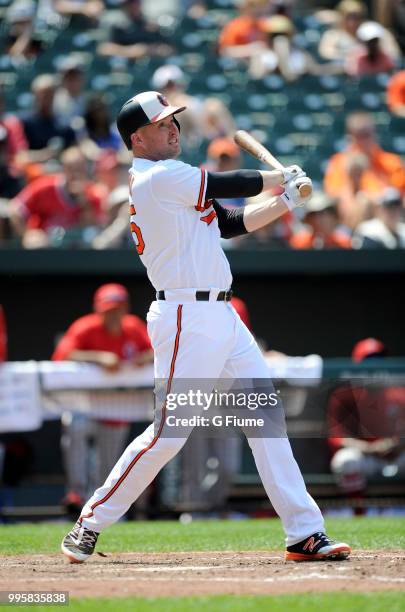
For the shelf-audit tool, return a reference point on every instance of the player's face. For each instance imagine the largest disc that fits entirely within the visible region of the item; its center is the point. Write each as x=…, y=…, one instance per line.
x=160, y=140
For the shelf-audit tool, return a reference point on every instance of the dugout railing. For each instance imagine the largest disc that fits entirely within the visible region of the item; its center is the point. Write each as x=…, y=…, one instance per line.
x=33, y=485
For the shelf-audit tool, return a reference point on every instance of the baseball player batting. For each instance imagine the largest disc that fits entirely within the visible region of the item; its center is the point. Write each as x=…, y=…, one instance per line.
x=195, y=332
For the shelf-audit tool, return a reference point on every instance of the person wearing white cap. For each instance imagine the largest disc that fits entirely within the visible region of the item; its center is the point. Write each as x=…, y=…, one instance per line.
x=171, y=81
x=370, y=58
x=338, y=41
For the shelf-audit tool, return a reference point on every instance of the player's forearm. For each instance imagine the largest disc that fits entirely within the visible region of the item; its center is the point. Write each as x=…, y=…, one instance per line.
x=88, y=356
x=144, y=358
x=272, y=178
x=361, y=445
x=259, y=215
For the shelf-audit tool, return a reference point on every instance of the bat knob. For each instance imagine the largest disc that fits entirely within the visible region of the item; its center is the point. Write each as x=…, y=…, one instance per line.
x=305, y=191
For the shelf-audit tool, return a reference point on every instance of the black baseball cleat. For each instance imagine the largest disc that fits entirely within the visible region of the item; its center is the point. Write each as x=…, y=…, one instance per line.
x=317, y=547
x=79, y=543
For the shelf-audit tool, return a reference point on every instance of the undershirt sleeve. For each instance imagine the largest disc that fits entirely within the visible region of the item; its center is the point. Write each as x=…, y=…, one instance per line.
x=230, y=221
x=235, y=184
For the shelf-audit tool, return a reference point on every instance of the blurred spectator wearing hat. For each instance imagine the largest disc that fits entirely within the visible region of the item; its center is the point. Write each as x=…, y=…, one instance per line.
x=323, y=229
x=341, y=39
x=396, y=94
x=384, y=169
x=112, y=339
x=56, y=203
x=205, y=119
x=365, y=425
x=45, y=135
x=128, y=34
x=370, y=57
x=281, y=54
x=69, y=102
x=170, y=80
x=387, y=230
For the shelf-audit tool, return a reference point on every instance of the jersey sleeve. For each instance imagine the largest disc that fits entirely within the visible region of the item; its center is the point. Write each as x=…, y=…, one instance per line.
x=175, y=183
x=74, y=339
x=27, y=200
x=140, y=332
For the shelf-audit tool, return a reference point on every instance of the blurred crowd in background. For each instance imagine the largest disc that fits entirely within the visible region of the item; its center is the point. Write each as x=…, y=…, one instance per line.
x=321, y=83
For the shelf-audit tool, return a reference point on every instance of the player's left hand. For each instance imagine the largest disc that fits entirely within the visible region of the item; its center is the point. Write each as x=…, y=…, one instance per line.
x=292, y=172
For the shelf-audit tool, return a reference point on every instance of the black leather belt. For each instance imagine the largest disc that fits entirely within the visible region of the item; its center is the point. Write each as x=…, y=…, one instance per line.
x=202, y=296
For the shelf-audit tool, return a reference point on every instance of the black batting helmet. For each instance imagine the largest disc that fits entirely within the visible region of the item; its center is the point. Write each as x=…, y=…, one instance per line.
x=143, y=109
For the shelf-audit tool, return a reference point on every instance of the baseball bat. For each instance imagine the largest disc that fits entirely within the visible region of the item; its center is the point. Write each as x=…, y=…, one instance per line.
x=249, y=144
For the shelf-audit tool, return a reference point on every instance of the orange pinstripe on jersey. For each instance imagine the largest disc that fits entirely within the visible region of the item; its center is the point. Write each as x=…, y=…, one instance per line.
x=200, y=204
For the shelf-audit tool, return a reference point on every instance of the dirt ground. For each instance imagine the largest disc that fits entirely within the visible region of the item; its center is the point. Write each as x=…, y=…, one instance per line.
x=202, y=573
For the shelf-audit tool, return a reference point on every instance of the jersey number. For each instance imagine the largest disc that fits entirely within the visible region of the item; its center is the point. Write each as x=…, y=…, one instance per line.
x=135, y=229
x=136, y=232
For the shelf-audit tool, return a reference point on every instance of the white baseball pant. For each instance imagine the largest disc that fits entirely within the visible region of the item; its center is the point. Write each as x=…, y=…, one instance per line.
x=208, y=341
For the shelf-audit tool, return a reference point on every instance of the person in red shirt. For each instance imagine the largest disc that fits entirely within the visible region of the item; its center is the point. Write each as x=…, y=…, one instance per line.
x=365, y=425
x=322, y=231
x=109, y=337
x=3, y=336
x=67, y=200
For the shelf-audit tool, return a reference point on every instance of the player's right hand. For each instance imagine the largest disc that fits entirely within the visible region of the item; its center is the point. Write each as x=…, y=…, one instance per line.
x=291, y=195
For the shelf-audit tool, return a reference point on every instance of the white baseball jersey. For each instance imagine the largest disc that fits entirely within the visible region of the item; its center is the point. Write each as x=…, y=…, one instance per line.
x=176, y=233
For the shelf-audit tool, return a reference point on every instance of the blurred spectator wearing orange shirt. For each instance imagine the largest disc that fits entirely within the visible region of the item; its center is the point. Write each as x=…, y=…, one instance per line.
x=396, y=94
x=384, y=169
x=240, y=36
x=322, y=231
x=223, y=155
